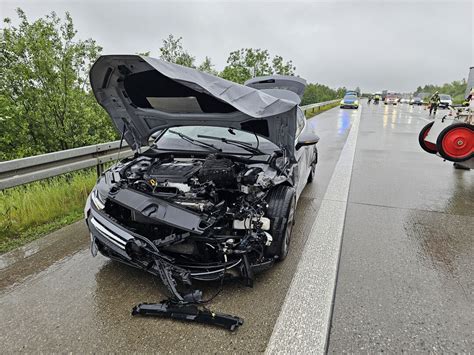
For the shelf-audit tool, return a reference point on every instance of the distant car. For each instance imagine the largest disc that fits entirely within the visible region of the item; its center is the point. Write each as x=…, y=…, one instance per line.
x=445, y=101
x=349, y=101
x=416, y=101
x=390, y=100
x=403, y=101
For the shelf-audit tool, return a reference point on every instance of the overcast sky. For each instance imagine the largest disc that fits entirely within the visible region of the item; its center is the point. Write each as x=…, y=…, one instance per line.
x=395, y=45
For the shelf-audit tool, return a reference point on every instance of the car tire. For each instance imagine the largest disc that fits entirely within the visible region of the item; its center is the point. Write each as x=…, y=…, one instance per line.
x=456, y=142
x=427, y=146
x=281, y=206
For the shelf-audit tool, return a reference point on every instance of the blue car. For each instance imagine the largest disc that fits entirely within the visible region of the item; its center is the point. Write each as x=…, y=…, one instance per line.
x=350, y=101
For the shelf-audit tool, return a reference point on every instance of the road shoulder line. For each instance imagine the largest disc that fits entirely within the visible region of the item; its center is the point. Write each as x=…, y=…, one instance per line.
x=303, y=323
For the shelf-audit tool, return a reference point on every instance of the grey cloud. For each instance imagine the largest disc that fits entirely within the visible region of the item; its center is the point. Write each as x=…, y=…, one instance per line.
x=372, y=44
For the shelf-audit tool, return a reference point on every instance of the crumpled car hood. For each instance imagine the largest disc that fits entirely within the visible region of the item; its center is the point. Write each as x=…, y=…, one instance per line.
x=283, y=86
x=130, y=86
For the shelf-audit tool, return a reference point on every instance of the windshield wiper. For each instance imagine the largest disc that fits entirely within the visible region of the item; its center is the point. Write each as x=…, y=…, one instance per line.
x=245, y=145
x=195, y=141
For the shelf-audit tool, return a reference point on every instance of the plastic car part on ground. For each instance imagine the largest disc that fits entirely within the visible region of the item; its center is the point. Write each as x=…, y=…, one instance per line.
x=188, y=312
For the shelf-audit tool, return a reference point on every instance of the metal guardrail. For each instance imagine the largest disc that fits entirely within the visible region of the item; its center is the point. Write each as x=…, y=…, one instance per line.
x=317, y=106
x=22, y=171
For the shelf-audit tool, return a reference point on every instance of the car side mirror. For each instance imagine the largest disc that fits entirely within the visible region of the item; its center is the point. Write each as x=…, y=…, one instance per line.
x=307, y=138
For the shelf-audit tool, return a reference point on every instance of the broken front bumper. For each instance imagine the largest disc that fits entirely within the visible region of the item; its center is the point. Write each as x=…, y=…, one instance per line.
x=106, y=232
x=117, y=240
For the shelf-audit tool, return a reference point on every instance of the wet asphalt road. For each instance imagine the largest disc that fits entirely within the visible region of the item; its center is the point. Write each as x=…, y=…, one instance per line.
x=405, y=280
x=61, y=299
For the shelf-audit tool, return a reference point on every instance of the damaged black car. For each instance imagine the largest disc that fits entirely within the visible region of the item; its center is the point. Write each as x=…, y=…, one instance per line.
x=211, y=189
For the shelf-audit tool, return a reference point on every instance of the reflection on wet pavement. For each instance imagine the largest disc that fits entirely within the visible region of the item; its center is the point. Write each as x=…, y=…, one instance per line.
x=442, y=244
x=405, y=276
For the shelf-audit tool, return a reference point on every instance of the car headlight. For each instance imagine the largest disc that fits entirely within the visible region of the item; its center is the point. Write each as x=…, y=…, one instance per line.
x=342, y=102
x=356, y=102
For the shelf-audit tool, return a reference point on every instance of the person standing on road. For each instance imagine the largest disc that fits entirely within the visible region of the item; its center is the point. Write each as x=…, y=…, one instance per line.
x=434, y=102
x=369, y=99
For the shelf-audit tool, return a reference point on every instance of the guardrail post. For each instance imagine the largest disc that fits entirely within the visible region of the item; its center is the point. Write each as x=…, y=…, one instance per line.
x=100, y=169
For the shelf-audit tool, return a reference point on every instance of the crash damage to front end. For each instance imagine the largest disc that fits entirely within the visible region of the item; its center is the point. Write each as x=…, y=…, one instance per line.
x=185, y=218
x=188, y=215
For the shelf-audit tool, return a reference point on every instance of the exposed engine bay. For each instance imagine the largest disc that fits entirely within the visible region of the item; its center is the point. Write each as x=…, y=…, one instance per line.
x=192, y=218
x=228, y=197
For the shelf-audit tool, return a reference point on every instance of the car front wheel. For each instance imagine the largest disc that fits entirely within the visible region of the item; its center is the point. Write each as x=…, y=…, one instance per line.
x=281, y=211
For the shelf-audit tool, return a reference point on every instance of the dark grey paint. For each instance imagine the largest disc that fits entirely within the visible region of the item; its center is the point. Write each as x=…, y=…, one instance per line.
x=108, y=86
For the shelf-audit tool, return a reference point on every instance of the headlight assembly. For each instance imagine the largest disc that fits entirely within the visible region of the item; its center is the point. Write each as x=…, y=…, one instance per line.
x=98, y=201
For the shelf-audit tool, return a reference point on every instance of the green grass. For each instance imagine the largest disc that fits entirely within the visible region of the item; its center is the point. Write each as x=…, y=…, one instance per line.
x=321, y=109
x=31, y=211
x=459, y=99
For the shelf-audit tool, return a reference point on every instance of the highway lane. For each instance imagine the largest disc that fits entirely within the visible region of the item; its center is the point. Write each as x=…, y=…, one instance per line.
x=405, y=276
x=61, y=299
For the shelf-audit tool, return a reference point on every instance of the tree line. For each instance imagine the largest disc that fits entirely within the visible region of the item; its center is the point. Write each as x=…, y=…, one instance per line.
x=456, y=89
x=46, y=103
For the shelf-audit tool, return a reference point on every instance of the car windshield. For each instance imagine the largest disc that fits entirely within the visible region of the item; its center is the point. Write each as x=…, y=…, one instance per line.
x=445, y=97
x=171, y=140
x=350, y=97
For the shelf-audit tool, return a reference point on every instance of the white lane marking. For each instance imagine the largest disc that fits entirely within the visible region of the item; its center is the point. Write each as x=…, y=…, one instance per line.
x=303, y=323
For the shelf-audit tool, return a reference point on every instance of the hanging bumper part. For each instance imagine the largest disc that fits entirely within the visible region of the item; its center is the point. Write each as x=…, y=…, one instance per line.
x=188, y=312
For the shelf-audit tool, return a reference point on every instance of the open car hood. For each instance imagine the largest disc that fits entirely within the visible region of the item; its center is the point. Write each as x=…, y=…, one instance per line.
x=279, y=83
x=143, y=95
